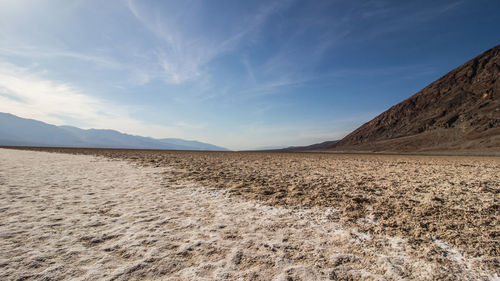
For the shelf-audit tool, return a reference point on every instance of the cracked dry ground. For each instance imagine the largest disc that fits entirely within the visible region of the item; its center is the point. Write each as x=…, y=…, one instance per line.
x=250, y=216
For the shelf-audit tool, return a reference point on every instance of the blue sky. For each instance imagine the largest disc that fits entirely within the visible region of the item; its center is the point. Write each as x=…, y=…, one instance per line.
x=240, y=74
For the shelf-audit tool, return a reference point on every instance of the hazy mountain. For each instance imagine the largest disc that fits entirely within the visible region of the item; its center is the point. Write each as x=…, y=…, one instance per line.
x=27, y=132
x=20, y=131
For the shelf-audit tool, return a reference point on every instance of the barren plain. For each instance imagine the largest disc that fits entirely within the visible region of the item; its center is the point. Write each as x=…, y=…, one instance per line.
x=179, y=215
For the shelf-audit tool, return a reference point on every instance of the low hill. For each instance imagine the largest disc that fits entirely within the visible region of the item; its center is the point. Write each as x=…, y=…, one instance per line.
x=317, y=146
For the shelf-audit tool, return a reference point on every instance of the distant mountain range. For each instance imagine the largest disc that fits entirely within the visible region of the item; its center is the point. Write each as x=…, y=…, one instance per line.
x=17, y=131
x=457, y=114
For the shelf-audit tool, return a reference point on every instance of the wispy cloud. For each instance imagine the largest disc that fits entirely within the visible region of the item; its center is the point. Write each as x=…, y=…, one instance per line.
x=384, y=17
x=37, y=52
x=27, y=93
x=179, y=57
x=182, y=55
x=139, y=72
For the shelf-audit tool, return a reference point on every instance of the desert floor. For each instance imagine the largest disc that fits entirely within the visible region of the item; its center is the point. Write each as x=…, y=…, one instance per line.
x=89, y=214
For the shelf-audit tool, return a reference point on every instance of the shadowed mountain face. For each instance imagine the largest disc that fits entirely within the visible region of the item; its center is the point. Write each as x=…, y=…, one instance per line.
x=459, y=113
x=16, y=131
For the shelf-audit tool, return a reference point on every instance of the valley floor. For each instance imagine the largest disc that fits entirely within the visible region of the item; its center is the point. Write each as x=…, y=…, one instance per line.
x=246, y=216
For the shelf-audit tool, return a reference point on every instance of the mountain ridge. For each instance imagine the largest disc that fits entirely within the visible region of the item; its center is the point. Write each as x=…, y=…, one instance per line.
x=18, y=131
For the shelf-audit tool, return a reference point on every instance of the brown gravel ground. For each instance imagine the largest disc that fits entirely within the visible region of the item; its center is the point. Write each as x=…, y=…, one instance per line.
x=424, y=199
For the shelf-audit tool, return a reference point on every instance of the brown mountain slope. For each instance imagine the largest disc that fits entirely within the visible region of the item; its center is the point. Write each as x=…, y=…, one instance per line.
x=459, y=114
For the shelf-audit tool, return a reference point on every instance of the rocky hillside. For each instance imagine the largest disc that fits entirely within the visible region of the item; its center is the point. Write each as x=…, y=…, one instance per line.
x=459, y=113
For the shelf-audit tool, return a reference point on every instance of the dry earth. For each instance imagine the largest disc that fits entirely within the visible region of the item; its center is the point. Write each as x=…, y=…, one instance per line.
x=177, y=215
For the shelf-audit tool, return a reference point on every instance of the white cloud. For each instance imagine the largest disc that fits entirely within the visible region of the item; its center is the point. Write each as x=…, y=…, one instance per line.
x=28, y=94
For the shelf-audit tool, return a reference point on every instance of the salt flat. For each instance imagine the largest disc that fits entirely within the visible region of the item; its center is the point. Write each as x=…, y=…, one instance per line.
x=86, y=217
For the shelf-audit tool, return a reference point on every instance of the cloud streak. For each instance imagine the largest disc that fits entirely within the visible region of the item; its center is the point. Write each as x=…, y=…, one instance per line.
x=34, y=52
x=138, y=73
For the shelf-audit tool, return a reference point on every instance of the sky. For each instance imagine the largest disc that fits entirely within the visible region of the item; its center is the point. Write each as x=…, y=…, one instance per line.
x=238, y=74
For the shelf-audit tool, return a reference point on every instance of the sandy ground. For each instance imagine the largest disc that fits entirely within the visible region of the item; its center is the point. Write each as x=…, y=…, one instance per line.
x=168, y=216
